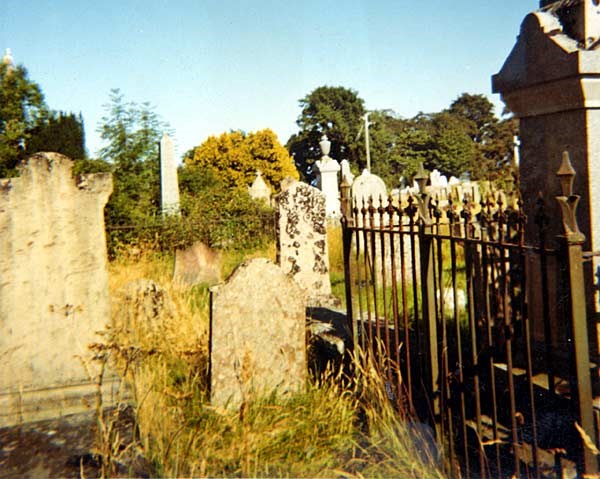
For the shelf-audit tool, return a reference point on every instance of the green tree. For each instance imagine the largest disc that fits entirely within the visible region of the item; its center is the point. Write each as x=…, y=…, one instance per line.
x=493, y=138
x=61, y=132
x=235, y=157
x=337, y=112
x=451, y=150
x=437, y=140
x=131, y=133
x=21, y=108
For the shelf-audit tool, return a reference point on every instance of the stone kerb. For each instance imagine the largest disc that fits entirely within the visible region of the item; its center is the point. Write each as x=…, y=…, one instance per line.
x=257, y=334
x=302, y=249
x=54, y=286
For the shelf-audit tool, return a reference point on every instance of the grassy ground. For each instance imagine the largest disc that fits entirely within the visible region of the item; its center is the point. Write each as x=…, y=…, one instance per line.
x=334, y=428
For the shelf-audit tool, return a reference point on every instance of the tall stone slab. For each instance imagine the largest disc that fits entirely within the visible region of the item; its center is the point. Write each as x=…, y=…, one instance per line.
x=257, y=334
x=302, y=238
x=53, y=287
x=169, y=186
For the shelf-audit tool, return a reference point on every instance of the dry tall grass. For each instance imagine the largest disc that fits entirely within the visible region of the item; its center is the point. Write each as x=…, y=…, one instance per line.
x=333, y=429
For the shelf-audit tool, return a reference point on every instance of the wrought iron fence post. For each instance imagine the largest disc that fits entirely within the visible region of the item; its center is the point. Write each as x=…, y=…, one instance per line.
x=572, y=242
x=347, y=222
x=431, y=376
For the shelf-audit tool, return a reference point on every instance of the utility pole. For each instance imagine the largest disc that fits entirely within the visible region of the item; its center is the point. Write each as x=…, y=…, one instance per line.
x=366, y=118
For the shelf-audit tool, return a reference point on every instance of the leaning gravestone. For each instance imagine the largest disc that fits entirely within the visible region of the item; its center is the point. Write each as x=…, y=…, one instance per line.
x=53, y=289
x=302, y=240
x=257, y=340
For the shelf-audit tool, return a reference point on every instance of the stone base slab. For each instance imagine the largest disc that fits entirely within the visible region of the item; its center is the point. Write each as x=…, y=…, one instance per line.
x=37, y=405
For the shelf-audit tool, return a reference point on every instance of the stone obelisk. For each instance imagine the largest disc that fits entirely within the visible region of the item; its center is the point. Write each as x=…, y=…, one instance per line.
x=169, y=187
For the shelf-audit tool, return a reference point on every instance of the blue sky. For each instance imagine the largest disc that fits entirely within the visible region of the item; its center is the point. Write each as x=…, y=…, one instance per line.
x=209, y=66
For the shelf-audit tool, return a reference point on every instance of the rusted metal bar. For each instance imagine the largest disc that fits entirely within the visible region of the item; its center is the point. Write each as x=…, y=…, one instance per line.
x=347, y=222
x=395, y=310
x=407, y=342
x=459, y=369
x=470, y=251
x=384, y=280
x=426, y=251
x=487, y=278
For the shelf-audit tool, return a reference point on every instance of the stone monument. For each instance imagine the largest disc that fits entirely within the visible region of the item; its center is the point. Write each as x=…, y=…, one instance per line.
x=328, y=169
x=54, y=296
x=368, y=186
x=169, y=187
x=259, y=190
x=551, y=81
x=346, y=173
x=258, y=340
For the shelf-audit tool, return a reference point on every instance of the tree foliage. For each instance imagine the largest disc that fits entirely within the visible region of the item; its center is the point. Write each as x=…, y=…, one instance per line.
x=336, y=112
x=466, y=137
x=131, y=133
x=60, y=132
x=22, y=106
x=493, y=138
x=233, y=158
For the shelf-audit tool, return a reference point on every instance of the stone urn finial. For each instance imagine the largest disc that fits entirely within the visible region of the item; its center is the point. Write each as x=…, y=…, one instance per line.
x=325, y=146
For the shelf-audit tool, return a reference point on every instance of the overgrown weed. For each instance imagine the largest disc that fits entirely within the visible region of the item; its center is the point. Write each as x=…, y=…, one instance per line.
x=336, y=427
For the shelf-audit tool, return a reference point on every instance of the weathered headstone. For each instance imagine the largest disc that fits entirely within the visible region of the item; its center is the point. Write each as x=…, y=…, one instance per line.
x=169, y=186
x=368, y=185
x=257, y=334
x=365, y=187
x=197, y=264
x=302, y=244
x=53, y=288
x=259, y=190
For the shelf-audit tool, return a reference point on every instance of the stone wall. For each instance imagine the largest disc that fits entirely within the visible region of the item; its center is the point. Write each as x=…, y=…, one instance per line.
x=53, y=286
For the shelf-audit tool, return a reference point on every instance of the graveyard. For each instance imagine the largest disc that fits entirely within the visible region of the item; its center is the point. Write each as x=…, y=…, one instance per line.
x=379, y=297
